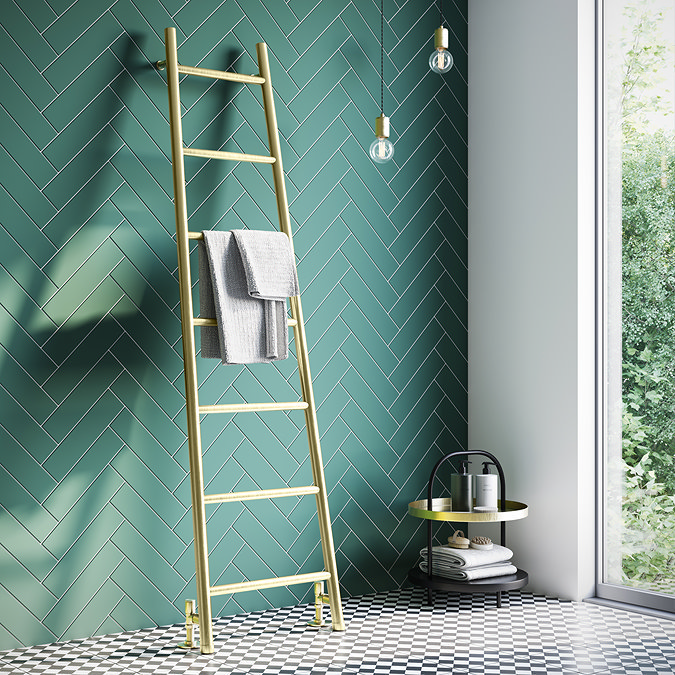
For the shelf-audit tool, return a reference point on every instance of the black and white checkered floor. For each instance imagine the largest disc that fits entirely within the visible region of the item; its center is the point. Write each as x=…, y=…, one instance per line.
x=392, y=632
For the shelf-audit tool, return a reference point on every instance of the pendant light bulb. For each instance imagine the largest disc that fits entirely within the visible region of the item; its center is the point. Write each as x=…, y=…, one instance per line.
x=441, y=59
x=381, y=149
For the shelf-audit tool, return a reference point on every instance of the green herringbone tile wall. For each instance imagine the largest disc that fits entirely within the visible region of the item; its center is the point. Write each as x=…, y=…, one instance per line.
x=95, y=524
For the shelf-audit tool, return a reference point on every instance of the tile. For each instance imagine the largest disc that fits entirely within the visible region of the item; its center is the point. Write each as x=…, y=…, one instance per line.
x=23, y=150
x=85, y=550
x=76, y=36
x=321, y=184
x=31, y=475
x=370, y=434
x=314, y=125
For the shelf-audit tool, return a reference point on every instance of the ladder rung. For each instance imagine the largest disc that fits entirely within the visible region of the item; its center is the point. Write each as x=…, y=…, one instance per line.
x=260, y=494
x=201, y=321
x=221, y=75
x=251, y=407
x=270, y=583
x=223, y=154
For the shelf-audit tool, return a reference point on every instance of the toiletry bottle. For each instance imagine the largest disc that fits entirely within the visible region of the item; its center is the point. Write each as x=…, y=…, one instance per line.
x=486, y=489
x=460, y=489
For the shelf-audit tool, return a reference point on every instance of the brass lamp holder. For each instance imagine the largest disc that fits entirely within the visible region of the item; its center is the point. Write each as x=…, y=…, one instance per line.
x=382, y=126
x=441, y=40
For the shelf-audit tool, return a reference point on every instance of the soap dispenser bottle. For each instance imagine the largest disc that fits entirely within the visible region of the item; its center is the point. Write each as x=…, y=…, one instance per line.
x=486, y=489
x=460, y=489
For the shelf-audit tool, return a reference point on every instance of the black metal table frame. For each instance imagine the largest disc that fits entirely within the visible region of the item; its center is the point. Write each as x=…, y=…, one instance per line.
x=519, y=580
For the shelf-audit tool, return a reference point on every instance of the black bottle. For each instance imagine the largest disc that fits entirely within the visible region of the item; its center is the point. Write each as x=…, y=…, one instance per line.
x=460, y=489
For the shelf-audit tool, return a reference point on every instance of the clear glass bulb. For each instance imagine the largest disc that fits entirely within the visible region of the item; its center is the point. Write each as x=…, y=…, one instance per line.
x=381, y=150
x=441, y=61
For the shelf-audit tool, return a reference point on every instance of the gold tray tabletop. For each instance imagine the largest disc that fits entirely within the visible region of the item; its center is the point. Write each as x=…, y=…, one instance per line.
x=441, y=509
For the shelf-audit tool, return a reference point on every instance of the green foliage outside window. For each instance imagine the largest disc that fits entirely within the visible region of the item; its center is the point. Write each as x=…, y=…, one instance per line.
x=648, y=304
x=648, y=541
x=648, y=308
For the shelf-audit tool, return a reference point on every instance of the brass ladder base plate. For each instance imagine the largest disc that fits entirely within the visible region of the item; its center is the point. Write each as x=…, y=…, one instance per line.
x=189, y=645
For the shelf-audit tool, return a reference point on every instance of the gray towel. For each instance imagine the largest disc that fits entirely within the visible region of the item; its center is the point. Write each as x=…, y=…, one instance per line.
x=242, y=334
x=271, y=277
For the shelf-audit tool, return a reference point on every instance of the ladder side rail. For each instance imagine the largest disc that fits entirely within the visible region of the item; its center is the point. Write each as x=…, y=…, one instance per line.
x=189, y=356
x=274, y=145
x=326, y=532
x=313, y=435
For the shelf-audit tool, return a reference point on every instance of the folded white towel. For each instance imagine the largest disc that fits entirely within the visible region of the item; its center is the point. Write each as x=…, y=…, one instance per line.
x=469, y=573
x=459, y=558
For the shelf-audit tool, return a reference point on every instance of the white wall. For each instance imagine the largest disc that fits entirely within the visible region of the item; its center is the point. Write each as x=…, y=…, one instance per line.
x=531, y=278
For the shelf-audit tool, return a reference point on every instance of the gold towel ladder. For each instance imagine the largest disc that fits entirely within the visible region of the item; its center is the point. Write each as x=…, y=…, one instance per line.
x=194, y=410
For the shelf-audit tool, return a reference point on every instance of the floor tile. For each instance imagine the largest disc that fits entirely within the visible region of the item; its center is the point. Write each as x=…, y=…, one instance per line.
x=394, y=632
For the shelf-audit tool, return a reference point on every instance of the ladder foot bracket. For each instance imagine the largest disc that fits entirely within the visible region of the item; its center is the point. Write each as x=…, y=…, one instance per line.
x=320, y=599
x=191, y=619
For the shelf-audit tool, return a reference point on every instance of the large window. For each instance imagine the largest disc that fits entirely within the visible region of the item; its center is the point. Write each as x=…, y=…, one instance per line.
x=638, y=55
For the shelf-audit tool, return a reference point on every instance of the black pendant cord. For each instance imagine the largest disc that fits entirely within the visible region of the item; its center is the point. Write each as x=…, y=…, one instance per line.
x=382, y=56
x=441, y=5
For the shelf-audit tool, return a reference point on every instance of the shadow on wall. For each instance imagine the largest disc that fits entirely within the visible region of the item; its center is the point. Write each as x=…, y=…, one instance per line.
x=88, y=370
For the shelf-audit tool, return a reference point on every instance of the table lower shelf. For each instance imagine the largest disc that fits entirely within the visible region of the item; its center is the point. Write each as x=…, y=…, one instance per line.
x=509, y=582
